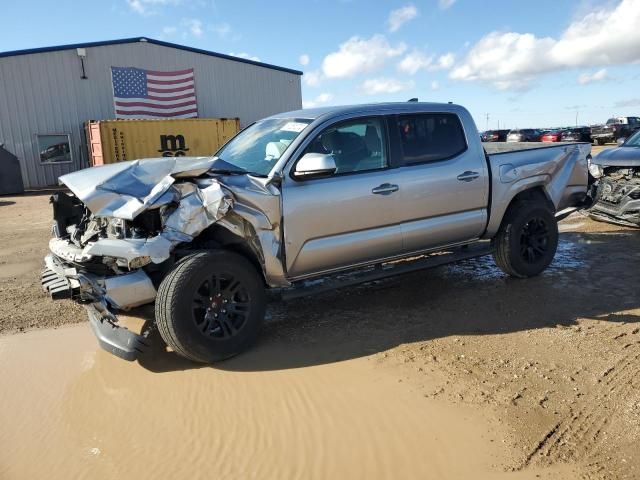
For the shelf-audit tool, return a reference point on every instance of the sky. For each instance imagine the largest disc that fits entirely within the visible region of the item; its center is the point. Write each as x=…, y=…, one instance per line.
x=513, y=64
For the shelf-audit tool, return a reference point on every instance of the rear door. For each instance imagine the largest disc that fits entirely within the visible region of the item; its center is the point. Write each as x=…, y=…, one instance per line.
x=443, y=180
x=350, y=217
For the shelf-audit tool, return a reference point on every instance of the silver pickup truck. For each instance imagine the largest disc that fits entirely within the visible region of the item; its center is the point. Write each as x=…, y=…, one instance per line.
x=292, y=202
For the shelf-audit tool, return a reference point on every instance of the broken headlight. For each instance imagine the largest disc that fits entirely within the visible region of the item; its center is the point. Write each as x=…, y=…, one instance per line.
x=596, y=171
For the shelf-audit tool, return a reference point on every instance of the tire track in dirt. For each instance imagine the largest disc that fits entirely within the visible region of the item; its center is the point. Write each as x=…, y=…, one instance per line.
x=575, y=438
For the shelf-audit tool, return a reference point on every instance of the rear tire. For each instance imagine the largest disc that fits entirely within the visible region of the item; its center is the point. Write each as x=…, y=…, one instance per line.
x=211, y=306
x=527, y=240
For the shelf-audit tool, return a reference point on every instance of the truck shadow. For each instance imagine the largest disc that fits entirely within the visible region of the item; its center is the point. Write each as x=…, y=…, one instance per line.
x=594, y=276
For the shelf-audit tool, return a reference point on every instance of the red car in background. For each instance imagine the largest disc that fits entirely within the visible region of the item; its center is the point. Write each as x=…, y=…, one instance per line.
x=551, y=136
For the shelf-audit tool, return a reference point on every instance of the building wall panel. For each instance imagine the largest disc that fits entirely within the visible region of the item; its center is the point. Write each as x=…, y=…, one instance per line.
x=43, y=93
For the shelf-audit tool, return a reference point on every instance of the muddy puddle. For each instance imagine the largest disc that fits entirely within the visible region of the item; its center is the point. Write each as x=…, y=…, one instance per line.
x=69, y=410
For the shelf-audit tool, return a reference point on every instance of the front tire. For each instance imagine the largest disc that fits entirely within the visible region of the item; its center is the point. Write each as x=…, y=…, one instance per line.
x=527, y=240
x=211, y=306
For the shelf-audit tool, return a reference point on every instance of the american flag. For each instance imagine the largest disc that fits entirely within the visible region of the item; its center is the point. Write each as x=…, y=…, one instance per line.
x=139, y=93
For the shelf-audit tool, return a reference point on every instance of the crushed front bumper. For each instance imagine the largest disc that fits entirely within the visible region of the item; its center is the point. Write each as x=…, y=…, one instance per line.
x=102, y=296
x=617, y=202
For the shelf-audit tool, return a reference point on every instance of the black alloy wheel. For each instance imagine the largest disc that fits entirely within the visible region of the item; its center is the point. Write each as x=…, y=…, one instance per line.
x=534, y=240
x=211, y=305
x=220, y=306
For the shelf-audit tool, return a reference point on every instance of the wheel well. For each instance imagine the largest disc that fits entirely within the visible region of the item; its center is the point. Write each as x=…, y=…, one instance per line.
x=532, y=195
x=218, y=237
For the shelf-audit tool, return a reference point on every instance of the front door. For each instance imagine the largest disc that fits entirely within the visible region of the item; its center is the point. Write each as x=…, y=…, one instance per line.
x=348, y=218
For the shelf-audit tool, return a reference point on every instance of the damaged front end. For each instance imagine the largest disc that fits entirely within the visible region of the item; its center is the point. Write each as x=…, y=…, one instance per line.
x=617, y=198
x=115, y=239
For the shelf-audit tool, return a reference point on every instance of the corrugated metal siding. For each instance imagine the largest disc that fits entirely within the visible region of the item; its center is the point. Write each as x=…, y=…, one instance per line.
x=43, y=93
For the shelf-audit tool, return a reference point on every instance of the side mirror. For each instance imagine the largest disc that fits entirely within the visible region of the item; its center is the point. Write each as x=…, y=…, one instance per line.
x=621, y=140
x=314, y=165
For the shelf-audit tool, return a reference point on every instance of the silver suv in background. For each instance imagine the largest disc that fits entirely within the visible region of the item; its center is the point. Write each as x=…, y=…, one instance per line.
x=524, y=135
x=294, y=198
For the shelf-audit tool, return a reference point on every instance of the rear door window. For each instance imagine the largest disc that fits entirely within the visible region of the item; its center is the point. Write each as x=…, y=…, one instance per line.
x=430, y=137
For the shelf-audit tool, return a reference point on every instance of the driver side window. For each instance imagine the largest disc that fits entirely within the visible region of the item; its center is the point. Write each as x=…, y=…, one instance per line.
x=356, y=145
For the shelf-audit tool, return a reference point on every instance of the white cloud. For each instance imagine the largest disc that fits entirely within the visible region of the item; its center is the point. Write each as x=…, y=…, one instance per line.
x=413, y=62
x=631, y=102
x=599, y=76
x=358, y=55
x=169, y=30
x=512, y=60
x=223, y=30
x=446, y=61
x=149, y=7
x=375, y=86
x=435, y=85
x=319, y=100
x=245, y=55
x=399, y=17
x=417, y=60
x=304, y=59
x=444, y=4
x=313, y=79
x=193, y=26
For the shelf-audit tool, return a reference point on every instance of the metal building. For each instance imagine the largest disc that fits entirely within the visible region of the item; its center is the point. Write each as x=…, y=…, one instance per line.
x=46, y=94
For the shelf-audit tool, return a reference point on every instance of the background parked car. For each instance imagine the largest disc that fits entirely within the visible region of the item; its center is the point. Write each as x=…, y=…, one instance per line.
x=614, y=129
x=494, y=136
x=578, y=134
x=524, y=135
x=551, y=136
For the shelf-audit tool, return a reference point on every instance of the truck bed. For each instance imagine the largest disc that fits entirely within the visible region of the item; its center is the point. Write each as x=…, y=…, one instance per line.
x=559, y=168
x=493, y=148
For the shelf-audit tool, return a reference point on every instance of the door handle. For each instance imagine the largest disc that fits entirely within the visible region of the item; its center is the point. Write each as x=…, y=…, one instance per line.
x=385, y=189
x=468, y=176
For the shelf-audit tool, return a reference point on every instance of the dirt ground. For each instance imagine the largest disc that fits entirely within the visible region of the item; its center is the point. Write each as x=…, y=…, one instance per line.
x=25, y=229
x=549, y=364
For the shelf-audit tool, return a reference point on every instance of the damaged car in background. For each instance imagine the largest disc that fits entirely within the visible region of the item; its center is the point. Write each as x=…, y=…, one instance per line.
x=617, y=174
x=295, y=204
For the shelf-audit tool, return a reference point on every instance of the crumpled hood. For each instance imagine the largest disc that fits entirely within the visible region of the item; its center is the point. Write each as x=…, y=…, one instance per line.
x=618, y=157
x=125, y=189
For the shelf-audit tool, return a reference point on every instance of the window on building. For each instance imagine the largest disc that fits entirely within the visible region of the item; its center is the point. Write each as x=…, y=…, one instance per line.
x=430, y=137
x=54, y=148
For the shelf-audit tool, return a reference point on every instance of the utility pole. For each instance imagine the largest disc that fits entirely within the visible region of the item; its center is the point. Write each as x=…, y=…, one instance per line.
x=487, y=116
x=576, y=118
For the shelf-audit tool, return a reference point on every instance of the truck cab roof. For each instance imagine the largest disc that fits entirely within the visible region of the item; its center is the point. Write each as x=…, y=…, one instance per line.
x=372, y=108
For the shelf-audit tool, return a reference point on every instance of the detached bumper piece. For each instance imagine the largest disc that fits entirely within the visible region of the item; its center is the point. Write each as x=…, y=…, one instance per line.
x=102, y=296
x=55, y=284
x=117, y=340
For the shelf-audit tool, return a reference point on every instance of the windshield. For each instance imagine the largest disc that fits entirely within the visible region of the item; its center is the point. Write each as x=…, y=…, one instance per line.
x=633, y=140
x=257, y=148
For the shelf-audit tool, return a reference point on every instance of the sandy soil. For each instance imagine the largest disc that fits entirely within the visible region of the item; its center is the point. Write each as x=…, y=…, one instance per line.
x=25, y=229
x=457, y=372
x=91, y=415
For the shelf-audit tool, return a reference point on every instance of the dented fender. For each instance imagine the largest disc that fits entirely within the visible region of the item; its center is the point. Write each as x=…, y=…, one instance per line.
x=188, y=202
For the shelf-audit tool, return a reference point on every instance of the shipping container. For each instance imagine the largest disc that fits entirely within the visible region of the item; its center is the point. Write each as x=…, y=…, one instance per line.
x=111, y=141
